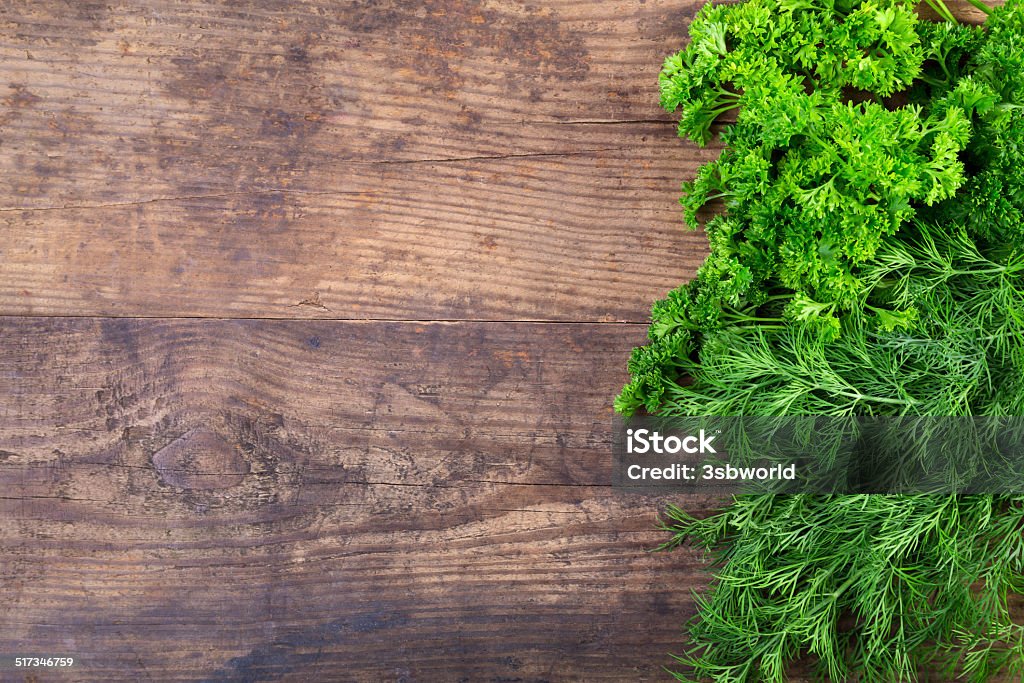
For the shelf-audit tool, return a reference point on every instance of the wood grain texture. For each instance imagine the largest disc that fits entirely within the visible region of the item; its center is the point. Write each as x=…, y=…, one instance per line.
x=452, y=159
x=319, y=500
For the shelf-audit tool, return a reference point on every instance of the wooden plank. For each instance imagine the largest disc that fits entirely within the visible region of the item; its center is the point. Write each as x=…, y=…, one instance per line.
x=591, y=238
x=439, y=160
x=320, y=500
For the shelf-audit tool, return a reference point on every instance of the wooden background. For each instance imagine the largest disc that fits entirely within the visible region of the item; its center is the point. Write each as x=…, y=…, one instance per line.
x=312, y=315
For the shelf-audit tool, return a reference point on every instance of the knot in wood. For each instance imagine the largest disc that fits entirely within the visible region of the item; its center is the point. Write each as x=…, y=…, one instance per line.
x=201, y=459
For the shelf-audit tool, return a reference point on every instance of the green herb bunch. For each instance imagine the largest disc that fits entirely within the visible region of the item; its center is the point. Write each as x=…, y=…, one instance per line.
x=866, y=258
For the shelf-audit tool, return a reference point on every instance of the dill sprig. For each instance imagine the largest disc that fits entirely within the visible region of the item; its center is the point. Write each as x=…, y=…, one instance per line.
x=875, y=587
